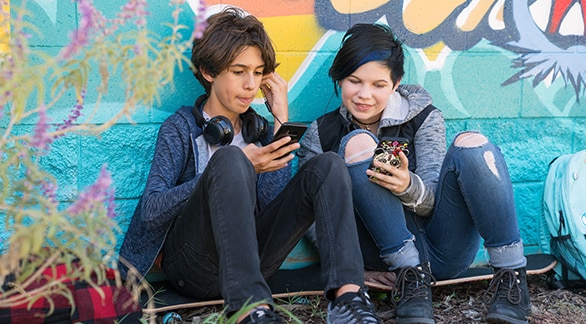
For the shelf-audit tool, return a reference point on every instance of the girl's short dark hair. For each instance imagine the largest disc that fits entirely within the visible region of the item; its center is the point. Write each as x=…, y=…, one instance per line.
x=225, y=37
x=365, y=43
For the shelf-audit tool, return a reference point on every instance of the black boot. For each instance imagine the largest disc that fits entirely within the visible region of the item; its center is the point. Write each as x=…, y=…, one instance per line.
x=412, y=295
x=510, y=297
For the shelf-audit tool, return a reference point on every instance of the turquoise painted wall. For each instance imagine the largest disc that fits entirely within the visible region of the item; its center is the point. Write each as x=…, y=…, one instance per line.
x=511, y=69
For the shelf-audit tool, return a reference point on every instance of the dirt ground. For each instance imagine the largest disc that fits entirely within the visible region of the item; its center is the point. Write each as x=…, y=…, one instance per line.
x=462, y=303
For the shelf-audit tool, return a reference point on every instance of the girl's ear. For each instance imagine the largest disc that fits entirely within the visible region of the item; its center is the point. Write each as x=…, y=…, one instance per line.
x=397, y=84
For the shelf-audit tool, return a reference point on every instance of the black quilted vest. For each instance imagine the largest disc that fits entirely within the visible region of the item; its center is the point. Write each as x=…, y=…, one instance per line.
x=332, y=127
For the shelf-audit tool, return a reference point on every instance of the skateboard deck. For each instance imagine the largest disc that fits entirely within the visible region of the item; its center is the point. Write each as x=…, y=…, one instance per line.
x=536, y=264
x=306, y=281
x=290, y=283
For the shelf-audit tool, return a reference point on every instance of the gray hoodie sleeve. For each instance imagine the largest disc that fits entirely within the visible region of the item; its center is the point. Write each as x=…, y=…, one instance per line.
x=430, y=142
x=163, y=197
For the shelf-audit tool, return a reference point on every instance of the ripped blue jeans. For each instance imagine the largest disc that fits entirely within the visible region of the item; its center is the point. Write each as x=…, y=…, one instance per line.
x=471, y=203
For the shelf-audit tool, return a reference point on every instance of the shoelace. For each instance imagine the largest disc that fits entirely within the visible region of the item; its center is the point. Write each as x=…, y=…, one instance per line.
x=412, y=282
x=355, y=306
x=511, y=291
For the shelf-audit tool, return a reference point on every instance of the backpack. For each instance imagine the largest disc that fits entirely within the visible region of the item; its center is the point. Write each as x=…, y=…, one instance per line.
x=564, y=222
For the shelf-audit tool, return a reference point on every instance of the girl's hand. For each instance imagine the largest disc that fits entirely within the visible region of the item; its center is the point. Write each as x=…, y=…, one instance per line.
x=271, y=157
x=275, y=90
x=397, y=180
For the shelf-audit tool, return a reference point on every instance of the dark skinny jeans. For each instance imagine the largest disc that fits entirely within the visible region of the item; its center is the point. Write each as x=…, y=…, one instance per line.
x=222, y=246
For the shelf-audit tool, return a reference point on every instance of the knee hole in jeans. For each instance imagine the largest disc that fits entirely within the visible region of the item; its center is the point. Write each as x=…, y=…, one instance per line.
x=359, y=148
x=470, y=139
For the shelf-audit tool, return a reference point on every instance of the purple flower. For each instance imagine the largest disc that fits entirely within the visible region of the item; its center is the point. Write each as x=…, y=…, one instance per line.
x=49, y=190
x=200, y=20
x=96, y=195
x=110, y=205
x=75, y=112
x=135, y=9
x=90, y=19
x=4, y=99
x=41, y=138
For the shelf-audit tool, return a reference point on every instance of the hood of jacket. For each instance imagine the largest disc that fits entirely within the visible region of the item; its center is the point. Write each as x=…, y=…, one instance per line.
x=407, y=102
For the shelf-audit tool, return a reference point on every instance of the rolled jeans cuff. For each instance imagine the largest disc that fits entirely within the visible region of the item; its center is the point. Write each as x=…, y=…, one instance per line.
x=507, y=256
x=407, y=256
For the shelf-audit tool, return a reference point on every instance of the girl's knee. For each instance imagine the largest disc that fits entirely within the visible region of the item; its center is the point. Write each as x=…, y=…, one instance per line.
x=470, y=139
x=359, y=148
x=474, y=139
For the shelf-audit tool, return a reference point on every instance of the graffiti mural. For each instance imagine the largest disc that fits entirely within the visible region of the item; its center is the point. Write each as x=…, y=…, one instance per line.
x=543, y=40
x=548, y=35
x=505, y=67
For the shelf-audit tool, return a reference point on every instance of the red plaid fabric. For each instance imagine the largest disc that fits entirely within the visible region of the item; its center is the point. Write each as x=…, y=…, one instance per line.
x=90, y=307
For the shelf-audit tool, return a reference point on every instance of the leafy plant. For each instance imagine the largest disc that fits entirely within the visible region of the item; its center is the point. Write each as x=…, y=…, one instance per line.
x=222, y=318
x=81, y=234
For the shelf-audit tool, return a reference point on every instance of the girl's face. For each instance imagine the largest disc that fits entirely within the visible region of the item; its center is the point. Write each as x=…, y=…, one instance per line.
x=366, y=91
x=234, y=89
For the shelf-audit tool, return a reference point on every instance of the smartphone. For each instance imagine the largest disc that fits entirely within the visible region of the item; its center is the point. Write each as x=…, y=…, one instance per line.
x=387, y=151
x=291, y=129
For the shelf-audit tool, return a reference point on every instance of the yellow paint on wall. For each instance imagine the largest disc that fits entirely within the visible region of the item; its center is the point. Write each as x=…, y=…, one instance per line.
x=5, y=27
x=293, y=37
x=432, y=52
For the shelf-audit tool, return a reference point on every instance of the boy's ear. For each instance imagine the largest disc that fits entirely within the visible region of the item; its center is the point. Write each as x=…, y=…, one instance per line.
x=209, y=78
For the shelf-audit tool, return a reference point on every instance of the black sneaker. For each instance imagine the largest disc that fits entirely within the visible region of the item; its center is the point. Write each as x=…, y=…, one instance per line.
x=262, y=315
x=510, y=297
x=352, y=308
x=412, y=296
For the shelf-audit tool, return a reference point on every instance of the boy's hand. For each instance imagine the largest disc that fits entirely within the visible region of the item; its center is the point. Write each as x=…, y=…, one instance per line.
x=271, y=157
x=275, y=89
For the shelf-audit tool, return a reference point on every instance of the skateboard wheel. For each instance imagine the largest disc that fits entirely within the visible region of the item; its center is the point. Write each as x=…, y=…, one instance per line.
x=172, y=318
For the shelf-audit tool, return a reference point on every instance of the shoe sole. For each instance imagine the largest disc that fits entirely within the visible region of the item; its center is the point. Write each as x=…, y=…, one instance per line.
x=503, y=319
x=414, y=320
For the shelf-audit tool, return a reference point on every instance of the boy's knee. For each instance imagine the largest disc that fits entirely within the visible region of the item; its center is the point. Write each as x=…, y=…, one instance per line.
x=359, y=148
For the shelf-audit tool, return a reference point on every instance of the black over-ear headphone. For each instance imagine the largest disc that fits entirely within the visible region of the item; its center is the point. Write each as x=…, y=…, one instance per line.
x=218, y=130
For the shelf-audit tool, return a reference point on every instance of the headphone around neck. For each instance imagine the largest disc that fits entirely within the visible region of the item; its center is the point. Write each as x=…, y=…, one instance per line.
x=218, y=130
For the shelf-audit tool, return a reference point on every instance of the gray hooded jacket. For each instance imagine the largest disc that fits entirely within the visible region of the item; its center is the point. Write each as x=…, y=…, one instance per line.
x=429, y=141
x=179, y=160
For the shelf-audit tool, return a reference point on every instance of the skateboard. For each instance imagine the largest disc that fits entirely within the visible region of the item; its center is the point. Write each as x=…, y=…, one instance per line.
x=284, y=284
x=306, y=281
x=536, y=264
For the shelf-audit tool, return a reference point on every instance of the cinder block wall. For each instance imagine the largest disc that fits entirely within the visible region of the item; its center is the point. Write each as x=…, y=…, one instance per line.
x=511, y=72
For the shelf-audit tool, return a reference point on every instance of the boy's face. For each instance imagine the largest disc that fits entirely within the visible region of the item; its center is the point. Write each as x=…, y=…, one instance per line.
x=233, y=90
x=366, y=91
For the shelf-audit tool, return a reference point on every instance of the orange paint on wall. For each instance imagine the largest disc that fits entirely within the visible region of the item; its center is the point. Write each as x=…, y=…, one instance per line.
x=423, y=16
x=350, y=7
x=270, y=8
x=477, y=14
